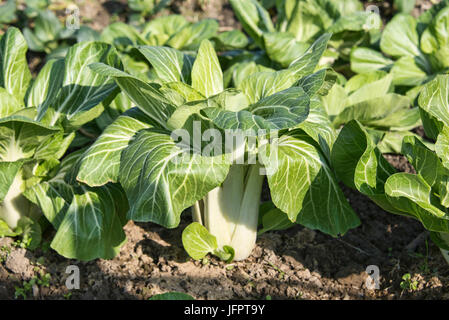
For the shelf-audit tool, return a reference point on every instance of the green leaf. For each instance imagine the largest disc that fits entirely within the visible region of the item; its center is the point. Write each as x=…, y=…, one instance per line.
x=14, y=73
x=360, y=80
x=304, y=186
x=356, y=21
x=425, y=161
x=191, y=36
x=282, y=110
x=391, y=110
x=47, y=26
x=54, y=146
x=434, y=98
x=8, y=11
x=319, y=82
x=440, y=239
x=254, y=18
x=88, y=221
x=263, y=84
x=172, y=296
x=360, y=165
x=207, y=76
x=122, y=36
x=283, y=48
x=275, y=219
x=371, y=90
x=160, y=29
x=8, y=171
x=391, y=141
x=400, y=37
x=92, y=225
x=197, y=241
x=5, y=231
x=170, y=64
x=161, y=179
x=227, y=253
x=318, y=127
x=30, y=232
x=335, y=101
x=231, y=99
x=404, y=6
x=184, y=116
x=407, y=72
x=100, y=163
x=20, y=136
x=368, y=60
x=242, y=70
x=85, y=33
x=356, y=160
x=411, y=194
x=10, y=104
x=442, y=146
x=33, y=42
x=434, y=38
x=46, y=86
x=229, y=40
x=82, y=89
x=306, y=19
x=146, y=96
x=180, y=93
x=307, y=63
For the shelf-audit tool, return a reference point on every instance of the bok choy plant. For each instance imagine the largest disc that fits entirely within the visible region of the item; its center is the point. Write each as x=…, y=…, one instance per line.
x=169, y=153
x=38, y=120
x=300, y=22
x=172, y=31
x=370, y=99
x=423, y=195
x=49, y=35
x=413, y=50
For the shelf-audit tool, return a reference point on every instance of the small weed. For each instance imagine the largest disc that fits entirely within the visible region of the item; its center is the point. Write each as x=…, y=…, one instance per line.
x=22, y=243
x=408, y=284
x=27, y=286
x=281, y=273
x=4, y=252
x=68, y=296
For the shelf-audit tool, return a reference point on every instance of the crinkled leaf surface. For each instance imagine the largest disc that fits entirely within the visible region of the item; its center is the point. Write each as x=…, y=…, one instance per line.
x=161, y=179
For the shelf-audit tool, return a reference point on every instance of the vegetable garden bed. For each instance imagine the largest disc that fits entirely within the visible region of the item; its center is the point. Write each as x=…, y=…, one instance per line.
x=308, y=260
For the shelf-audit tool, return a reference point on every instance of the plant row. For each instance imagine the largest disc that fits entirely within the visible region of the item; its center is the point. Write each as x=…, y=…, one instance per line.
x=107, y=130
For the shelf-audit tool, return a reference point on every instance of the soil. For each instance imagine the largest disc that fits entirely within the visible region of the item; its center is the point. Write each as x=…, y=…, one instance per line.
x=294, y=264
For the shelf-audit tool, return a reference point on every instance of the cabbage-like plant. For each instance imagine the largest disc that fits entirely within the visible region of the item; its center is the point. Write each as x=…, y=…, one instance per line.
x=370, y=99
x=144, y=8
x=49, y=35
x=300, y=22
x=171, y=31
x=424, y=195
x=153, y=150
x=413, y=50
x=38, y=120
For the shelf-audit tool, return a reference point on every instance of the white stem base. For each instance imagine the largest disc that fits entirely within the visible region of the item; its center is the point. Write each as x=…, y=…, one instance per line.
x=14, y=205
x=231, y=211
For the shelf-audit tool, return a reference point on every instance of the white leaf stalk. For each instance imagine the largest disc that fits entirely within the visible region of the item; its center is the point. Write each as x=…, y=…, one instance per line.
x=230, y=212
x=15, y=206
